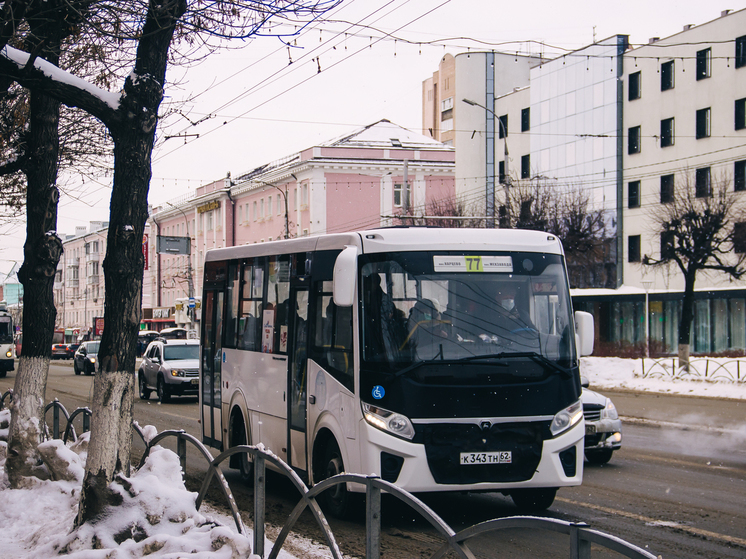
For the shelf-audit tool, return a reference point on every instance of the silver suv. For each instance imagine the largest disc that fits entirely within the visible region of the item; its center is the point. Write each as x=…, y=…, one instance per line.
x=171, y=368
x=603, y=428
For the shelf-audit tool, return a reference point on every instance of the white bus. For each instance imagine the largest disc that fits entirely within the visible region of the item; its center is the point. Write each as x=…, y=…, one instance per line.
x=7, y=341
x=438, y=359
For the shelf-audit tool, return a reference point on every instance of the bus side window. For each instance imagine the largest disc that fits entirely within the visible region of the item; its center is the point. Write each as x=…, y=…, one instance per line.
x=250, y=313
x=332, y=346
x=232, y=295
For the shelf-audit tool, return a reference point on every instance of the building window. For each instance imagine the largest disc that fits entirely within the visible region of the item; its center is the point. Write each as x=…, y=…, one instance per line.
x=739, y=237
x=635, y=86
x=633, y=140
x=633, y=248
x=209, y=220
x=525, y=120
x=739, y=176
x=401, y=198
x=667, y=246
x=704, y=58
x=666, y=189
x=741, y=52
x=703, y=123
x=526, y=166
x=256, y=213
x=304, y=194
x=740, y=113
x=667, y=132
x=667, y=75
x=633, y=194
x=269, y=206
x=702, y=187
x=502, y=126
x=501, y=172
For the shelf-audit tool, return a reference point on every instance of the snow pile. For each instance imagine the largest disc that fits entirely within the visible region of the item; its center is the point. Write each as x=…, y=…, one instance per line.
x=157, y=516
x=612, y=373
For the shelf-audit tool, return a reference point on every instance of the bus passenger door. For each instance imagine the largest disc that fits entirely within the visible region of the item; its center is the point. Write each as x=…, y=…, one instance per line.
x=298, y=374
x=212, y=351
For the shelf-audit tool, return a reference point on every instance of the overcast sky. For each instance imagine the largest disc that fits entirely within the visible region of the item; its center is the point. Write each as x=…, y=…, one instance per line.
x=255, y=107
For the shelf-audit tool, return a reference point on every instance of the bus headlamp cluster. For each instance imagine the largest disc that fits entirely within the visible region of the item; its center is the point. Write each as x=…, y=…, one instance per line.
x=391, y=422
x=9, y=353
x=566, y=418
x=178, y=373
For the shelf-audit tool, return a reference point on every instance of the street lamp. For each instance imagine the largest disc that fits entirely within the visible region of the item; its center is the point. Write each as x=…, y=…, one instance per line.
x=491, y=191
x=647, y=285
x=285, y=198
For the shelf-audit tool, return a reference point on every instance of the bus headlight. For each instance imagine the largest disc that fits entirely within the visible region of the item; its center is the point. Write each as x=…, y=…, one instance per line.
x=566, y=418
x=9, y=353
x=177, y=373
x=394, y=423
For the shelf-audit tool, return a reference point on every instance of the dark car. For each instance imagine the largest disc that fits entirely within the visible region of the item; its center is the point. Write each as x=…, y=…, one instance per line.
x=59, y=351
x=86, y=358
x=71, y=349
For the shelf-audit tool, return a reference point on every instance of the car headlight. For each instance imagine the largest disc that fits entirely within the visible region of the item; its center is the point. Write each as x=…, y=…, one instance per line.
x=177, y=373
x=9, y=353
x=566, y=418
x=92, y=360
x=391, y=422
x=609, y=412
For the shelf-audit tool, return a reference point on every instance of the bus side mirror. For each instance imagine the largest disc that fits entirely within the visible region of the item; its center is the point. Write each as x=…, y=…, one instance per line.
x=584, y=332
x=345, y=272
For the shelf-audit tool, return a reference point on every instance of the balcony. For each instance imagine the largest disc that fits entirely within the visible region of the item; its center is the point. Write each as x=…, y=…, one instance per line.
x=73, y=262
x=73, y=282
x=92, y=257
x=92, y=279
x=58, y=285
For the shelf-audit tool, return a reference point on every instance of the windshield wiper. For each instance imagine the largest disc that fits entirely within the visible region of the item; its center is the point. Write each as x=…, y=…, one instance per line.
x=537, y=357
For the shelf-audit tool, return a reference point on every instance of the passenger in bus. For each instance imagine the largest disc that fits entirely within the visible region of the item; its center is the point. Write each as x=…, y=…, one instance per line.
x=425, y=326
x=512, y=318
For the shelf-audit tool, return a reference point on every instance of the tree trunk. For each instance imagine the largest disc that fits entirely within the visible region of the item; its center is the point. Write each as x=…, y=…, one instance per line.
x=134, y=136
x=42, y=252
x=685, y=323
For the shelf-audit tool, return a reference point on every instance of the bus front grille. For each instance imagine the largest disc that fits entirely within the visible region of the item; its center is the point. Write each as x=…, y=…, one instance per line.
x=445, y=443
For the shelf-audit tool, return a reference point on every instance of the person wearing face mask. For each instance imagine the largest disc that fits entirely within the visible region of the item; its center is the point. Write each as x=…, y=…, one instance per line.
x=513, y=306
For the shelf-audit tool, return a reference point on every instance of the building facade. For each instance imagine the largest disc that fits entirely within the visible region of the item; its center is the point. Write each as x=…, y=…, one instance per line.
x=372, y=177
x=630, y=127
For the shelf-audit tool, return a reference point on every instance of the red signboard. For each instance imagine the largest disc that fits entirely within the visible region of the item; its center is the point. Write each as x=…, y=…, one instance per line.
x=98, y=326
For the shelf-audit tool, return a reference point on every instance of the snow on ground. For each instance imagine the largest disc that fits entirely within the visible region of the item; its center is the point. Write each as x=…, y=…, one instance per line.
x=626, y=374
x=37, y=521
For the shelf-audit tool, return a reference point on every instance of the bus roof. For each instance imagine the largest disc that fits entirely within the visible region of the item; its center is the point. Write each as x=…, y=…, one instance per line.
x=401, y=239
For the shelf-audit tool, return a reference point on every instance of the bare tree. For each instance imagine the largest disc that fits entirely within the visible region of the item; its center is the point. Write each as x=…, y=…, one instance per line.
x=131, y=118
x=702, y=229
x=450, y=212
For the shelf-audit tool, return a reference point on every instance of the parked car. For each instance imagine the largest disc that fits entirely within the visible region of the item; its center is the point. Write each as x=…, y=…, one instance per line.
x=603, y=428
x=59, y=351
x=171, y=368
x=86, y=358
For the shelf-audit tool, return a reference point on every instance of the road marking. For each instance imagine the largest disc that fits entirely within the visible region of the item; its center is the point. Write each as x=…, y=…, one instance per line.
x=654, y=522
x=682, y=426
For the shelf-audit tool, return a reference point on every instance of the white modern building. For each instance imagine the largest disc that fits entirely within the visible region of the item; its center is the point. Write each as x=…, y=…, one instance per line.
x=631, y=126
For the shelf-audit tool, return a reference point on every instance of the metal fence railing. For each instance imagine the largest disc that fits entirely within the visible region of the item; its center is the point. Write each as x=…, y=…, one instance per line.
x=700, y=368
x=581, y=536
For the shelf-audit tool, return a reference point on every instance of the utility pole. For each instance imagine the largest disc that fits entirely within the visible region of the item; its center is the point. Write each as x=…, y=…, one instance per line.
x=506, y=159
x=190, y=279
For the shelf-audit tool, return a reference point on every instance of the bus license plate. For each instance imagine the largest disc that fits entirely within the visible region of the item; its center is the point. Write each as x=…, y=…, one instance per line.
x=502, y=457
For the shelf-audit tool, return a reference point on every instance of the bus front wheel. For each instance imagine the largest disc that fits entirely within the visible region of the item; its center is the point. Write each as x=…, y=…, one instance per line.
x=336, y=499
x=530, y=500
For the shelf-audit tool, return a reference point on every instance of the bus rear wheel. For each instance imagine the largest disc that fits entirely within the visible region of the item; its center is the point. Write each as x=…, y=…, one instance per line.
x=336, y=500
x=533, y=500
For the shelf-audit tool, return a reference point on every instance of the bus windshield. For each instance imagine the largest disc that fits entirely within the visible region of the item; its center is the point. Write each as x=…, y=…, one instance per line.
x=433, y=307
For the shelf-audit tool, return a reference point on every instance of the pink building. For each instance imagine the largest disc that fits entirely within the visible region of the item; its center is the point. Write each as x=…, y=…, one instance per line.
x=353, y=182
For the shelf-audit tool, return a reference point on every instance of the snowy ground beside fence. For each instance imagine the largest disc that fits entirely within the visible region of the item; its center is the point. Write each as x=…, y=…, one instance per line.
x=613, y=373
